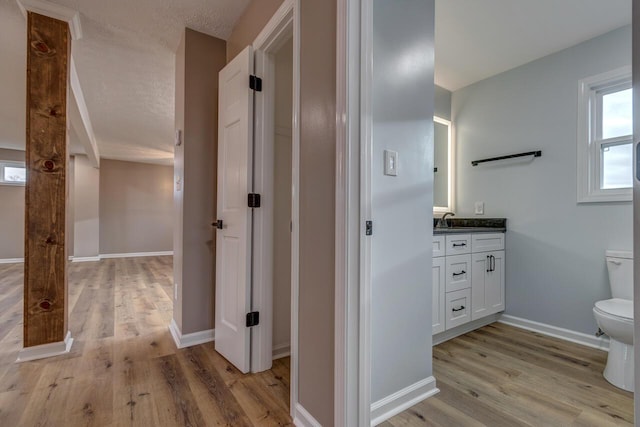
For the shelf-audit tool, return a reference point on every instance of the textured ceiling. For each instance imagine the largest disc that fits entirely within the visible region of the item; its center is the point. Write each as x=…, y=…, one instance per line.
x=125, y=60
x=125, y=63
x=476, y=39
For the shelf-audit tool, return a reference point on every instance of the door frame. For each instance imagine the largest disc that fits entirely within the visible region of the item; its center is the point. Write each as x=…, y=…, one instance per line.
x=283, y=26
x=635, y=29
x=352, y=404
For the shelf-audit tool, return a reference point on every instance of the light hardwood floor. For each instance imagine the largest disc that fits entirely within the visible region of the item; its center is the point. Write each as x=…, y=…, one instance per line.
x=124, y=369
x=504, y=376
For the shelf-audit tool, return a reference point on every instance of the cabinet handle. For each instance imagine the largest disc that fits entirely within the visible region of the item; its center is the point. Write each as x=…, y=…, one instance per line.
x=493, y=263
x=459, y=274
x=455, y=245
x=458, y=309
x=489, y=260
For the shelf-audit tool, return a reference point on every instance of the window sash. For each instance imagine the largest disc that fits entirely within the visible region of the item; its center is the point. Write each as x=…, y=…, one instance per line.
x=589, y=145
x=599, y=96
x=12, y=164
x=599, y=158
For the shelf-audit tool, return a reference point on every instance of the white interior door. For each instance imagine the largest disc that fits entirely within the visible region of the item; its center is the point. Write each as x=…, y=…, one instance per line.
x=233, y=240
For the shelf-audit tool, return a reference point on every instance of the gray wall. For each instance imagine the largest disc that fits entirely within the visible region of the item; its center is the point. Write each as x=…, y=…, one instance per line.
x=317, y=207
x=555, y=266
x=442, y=103
x=84, y=192
x=401, y=206
x=136, y=209
x=11, y=213
x=198, y=61
x=636, y=200
x=249, y=25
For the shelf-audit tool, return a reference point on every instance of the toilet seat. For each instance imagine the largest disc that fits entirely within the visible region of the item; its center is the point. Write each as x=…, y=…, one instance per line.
x=616, y=307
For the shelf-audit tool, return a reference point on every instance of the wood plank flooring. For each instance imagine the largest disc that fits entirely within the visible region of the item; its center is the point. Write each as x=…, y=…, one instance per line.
x=504, y=376
x=124, y=369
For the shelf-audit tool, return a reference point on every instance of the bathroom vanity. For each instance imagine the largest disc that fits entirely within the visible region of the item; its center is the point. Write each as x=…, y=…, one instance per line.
x=468, y=277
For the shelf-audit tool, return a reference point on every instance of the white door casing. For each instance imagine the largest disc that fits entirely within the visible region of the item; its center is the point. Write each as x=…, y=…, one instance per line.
x=233, y=240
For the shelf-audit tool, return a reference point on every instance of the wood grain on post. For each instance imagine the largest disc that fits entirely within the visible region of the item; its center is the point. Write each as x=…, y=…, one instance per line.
x=45, y=262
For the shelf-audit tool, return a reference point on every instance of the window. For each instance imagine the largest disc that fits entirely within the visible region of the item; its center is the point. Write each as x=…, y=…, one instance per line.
x=605, y=137
x=12, y=173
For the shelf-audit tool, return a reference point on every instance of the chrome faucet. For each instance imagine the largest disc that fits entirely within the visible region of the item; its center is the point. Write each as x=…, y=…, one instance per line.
x=442, y=222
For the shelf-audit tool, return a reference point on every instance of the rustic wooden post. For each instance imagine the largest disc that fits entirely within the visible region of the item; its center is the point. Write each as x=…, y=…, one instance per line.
x=45, y=262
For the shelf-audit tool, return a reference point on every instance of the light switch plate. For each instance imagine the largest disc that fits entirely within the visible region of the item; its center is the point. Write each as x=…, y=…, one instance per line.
x=479, y=208
x=390, y=163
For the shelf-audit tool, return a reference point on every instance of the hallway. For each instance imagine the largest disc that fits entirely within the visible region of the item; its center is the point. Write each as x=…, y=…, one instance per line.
x=124, y=369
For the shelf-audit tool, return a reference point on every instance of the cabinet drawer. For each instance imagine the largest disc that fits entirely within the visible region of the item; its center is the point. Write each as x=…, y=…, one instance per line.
x=458, y=244
x=458, y=308
x=438, y=246
x=458, y=272
x=485, y=242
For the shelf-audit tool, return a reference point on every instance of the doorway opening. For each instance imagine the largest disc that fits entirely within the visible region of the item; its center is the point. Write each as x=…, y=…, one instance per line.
x=256, y=253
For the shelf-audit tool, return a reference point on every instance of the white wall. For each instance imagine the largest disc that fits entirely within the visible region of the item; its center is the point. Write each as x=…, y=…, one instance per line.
x=442, y=103
x=555, y=266
x=86, y=208
x=402, y=205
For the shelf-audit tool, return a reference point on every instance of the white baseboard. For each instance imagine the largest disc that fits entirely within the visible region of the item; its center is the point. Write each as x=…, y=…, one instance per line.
x=46, y=350
x=281, y=350
x=402, y=400
x=188, y=340
x=463, y=329
x=136, y=254
x=303, y=418
x=601, y=343
x=97, y=258
x=11, y=260
x=85, y=258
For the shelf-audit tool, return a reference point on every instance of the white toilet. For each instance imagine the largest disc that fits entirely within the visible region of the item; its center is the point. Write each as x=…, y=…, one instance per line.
x=615, y=318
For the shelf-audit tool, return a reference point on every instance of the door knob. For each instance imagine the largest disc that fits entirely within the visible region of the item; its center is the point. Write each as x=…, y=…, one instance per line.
x=218, y=224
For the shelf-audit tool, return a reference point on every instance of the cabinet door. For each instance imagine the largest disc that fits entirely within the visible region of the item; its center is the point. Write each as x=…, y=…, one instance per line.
x=494, y=284
x=438, y=295
x=487, y=284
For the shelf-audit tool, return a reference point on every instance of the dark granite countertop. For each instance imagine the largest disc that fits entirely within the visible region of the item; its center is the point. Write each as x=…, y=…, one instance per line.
x=471, y=225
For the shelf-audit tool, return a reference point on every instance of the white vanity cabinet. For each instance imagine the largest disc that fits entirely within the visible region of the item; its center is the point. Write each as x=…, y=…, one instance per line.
x=468, y=278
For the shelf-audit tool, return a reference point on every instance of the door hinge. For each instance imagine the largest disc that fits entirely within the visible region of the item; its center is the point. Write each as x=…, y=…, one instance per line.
x=368, y=228
x=253, y=319
x=254, y=200
x=255, y=83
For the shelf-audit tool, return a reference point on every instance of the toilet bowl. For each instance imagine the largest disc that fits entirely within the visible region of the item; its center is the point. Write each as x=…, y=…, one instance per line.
x=615, y=318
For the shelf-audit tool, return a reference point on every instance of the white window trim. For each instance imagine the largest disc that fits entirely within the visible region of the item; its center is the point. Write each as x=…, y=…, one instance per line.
x=3, y=164
x=589, y=190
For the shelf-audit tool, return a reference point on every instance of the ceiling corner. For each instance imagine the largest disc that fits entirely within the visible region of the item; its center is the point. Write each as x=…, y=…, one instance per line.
x=56, y=11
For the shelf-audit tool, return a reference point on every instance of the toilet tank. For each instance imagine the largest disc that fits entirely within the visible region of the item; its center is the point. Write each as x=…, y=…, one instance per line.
x=620, y=268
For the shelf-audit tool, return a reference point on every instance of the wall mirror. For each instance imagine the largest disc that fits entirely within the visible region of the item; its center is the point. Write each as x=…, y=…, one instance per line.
x=443, y=166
